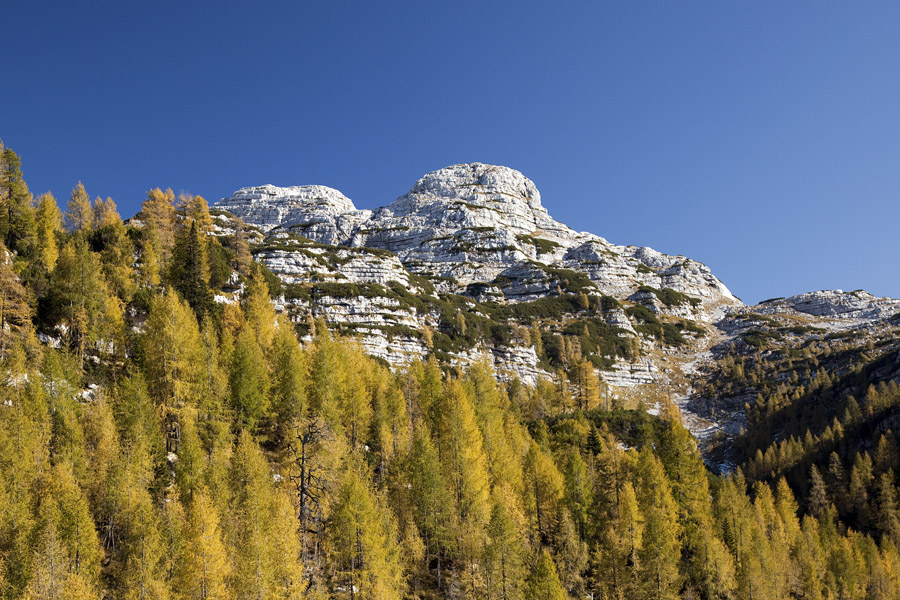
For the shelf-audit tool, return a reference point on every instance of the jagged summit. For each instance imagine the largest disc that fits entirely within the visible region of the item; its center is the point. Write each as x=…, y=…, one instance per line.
x=476, y=225
x=481, y=184
x=475, y=197
x=458, y=196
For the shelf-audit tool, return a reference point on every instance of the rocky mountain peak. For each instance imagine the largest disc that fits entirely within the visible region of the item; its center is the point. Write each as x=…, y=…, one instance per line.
x=474, y=229
x=329, y=215
x=477, y=183
x=474, y=197
x=268, y=206
x=473, y=242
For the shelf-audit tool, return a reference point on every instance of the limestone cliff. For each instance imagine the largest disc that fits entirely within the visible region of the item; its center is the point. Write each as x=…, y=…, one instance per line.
x=472, y=231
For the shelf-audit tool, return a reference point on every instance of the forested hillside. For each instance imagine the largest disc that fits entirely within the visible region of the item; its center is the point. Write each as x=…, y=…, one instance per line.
x=165, y=433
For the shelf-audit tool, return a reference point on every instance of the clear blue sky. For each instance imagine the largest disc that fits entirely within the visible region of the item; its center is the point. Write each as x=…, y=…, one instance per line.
x=762, y=138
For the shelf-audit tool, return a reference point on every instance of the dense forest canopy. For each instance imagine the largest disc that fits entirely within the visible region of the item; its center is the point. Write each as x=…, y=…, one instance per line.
x=157, y=442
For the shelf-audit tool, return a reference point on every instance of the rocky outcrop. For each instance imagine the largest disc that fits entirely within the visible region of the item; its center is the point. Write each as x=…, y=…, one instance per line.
x=323, y=213
x=298, y=261
x=472, y=229
x=468, y=222
x=836, y=306
x=474, y=224
x=383, y=326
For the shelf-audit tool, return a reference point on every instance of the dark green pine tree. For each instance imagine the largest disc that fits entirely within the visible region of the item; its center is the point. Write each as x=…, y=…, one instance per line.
x=249, y=380
x=17, y=223
x=189, y=271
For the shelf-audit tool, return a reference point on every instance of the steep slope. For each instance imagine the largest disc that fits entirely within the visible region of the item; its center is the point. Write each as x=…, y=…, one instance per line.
x=773, y=359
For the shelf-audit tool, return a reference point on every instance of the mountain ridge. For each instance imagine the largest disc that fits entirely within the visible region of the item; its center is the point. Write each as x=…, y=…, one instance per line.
x=478, y=240
x=475, y=231
x=465, y=220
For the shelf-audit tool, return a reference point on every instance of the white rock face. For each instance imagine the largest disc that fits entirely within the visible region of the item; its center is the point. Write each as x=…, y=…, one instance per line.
x=472, y=224
x=467, y=197
x=518, y=361
x=473, y=229
x=343, y=265
x=384, y=328
x=629, y=375
x=329, y=216
x=851, y=307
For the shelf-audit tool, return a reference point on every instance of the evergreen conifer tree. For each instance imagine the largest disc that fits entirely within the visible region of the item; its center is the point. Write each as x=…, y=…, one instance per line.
x=249, y=380
x=189, y=271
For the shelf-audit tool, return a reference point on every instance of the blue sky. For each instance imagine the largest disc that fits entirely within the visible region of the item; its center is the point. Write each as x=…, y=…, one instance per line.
x=762, y=138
